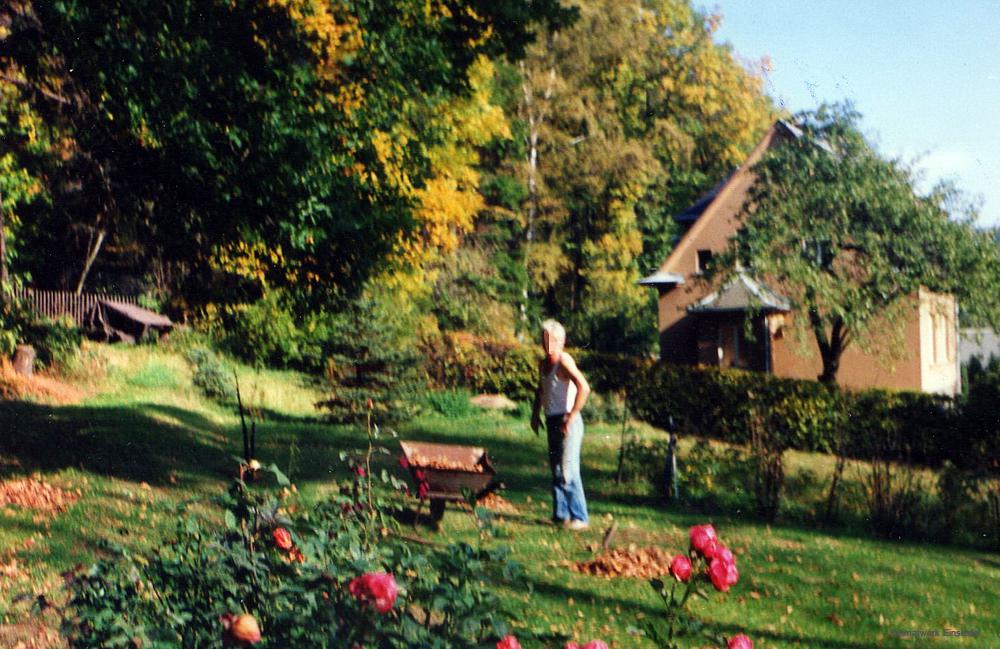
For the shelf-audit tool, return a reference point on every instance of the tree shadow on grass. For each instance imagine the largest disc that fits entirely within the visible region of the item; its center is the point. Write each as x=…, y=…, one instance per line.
x=561, y=592
x=145, y=442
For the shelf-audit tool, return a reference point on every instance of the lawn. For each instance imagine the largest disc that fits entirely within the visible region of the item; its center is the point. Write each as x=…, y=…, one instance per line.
x=142, y=440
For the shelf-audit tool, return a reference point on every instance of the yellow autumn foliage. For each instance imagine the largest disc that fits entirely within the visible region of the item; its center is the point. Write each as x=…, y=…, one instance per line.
x=447, y=203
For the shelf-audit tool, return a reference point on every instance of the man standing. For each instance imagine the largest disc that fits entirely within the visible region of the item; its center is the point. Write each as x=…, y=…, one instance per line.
x=562, y=391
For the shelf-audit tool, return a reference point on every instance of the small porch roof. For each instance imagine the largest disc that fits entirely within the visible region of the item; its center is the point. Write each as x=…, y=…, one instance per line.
x=741, y=294
x=661, y=278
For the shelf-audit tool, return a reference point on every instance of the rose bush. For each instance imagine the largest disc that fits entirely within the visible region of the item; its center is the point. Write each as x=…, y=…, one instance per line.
x=376, y=588
x=345, y=579
x=707, y=561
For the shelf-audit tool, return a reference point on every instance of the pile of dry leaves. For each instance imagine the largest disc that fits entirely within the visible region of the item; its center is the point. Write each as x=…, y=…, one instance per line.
x=30, y=493
x=633, y=561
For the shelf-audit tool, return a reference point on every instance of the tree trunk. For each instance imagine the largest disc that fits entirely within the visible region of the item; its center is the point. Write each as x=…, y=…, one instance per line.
x=91, y=256
x=3, y=253
x=535, y=116
x=831, y=347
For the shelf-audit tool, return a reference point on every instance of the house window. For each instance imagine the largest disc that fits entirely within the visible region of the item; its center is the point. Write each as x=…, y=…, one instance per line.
x=703, y=262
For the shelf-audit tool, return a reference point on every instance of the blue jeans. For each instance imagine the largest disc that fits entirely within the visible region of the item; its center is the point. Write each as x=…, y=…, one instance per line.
x=568, y=500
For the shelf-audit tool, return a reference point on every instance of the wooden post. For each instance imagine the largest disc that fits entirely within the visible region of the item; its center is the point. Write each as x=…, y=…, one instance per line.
x=24, y=360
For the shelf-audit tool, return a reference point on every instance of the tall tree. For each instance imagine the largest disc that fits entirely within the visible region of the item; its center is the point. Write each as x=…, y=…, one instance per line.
x=624, y=117
x=844, y=233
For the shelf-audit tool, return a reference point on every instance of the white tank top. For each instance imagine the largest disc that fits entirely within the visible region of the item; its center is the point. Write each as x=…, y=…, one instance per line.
x=558, y=395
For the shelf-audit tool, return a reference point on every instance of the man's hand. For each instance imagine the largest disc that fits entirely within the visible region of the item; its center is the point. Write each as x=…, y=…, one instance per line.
x=536, y=423
x=565, y=425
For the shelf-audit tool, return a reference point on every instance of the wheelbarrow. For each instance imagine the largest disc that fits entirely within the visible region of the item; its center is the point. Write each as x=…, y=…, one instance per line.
x=446, y=472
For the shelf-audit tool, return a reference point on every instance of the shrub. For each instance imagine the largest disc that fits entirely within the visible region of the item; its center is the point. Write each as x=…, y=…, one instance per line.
x=608, y=408
x=453, y=404
x=461, y=359
x=56, y=342
x=370, y=368
x=211, y=375
x=268, y=332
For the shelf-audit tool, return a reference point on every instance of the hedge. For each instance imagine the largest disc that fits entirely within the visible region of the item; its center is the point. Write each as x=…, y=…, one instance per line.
x=803, y=415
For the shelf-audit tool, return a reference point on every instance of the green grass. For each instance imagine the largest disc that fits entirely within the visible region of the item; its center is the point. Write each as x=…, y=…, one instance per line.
x=145, y=440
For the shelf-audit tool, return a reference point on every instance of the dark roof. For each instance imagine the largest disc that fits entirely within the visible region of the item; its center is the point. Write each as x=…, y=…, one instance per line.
x=691, y=214
x=138, y=314
x=741, y=294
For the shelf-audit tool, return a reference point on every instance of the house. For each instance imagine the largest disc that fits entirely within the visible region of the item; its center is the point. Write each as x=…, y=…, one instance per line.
x=706, y=325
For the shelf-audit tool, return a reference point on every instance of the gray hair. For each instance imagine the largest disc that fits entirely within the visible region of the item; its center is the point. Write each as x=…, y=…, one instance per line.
x=554, y=329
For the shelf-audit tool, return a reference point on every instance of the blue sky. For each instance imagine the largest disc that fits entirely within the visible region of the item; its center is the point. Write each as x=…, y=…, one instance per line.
x=924, y=73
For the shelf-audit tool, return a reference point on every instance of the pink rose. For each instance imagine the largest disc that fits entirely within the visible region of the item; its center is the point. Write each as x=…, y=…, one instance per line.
x=595, y=644
x=378, y=588
x=282, y=538
x=680, y=568
x=703, y=540
x=739, y=642
x=723, y=574
x=722, y=552
x=509, y=642
x=571, y=645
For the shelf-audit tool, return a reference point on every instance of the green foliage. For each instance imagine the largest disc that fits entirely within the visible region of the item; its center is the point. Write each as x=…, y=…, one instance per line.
x=220, y=124
x=607, y=408
x=56, y=342
x=453, y=404
x=270, y=333
x=481, y=365
x=211, y=375
x=370, y=367
x=293, y=574
x=980, y=425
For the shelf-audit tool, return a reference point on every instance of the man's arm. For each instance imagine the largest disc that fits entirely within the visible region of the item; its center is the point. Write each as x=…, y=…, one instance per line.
x=582, y=388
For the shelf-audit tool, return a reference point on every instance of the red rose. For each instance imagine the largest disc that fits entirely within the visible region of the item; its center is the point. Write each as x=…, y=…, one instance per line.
x=378, y=588
x=703, y=540
x=240, y=629
x=282, y=538
x=571, y=645
x=739, y=642
x=680, y=568
x=509, y=642
x=595, y=644
x=423, y=488
x=723, y=574
x=403, y=462
x=722, y=552
x=360, y=471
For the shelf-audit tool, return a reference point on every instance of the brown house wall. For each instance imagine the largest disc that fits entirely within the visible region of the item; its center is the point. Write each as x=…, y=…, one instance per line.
x=857, y=369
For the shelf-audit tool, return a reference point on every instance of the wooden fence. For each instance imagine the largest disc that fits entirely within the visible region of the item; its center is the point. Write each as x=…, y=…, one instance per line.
x=53, y=304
